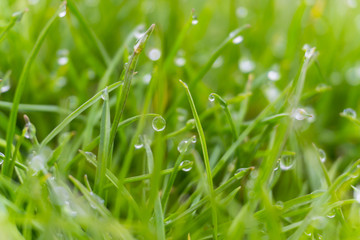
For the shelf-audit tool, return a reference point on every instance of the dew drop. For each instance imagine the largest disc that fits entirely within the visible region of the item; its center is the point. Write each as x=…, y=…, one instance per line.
x=33, y=2
x=62, y=55
x=190, y=124
x=62, y=12
x=237, y=40
x=105, y=94
x=180, y=61
x=30, y=131
x=37, y=162
x=91, y=157
x=349, y=112
x=183, y=146
x=147, y=78
x=287, y=162
x=139, y=31
x=331, y=214
x=158, y=123
x=300, y=114
x=193, y=139
x=319, y=222
x=5, y=84
x=97, y=199
x=211, y=97
x=194, y=20
x=356, y=193
x=273, y=75
x=238, y=171
x=241, y=12
x=322, y=155
x=351, y=3
x=188, y=165
x=246, y=65
x=271, y=93
x=154, y=54
x=218, y=62
x=2, y=157
x=139, y=144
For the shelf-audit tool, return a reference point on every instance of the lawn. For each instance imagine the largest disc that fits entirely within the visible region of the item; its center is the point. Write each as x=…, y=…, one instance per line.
x=179, y=119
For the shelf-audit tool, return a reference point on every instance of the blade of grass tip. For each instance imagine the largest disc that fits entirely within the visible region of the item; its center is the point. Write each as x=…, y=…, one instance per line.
x=15, y=17
x=129, y=72
x=89, y=32
x=103, y=154
x=208, y=65
x=224, y=105
x=158, y=212
x=76, y=113
x=91, y=120
x=20, y=89
x=206, y=158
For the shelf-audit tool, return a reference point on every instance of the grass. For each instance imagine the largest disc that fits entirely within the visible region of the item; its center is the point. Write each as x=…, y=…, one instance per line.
x=259, y=140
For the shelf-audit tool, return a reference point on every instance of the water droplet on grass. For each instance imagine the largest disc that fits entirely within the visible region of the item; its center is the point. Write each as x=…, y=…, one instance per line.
x=237, y=40
x=218, y=62
x=186, y=162
x=331, y=214
x=183, y=146
x=194, y=20
x=238, y=171
x=287, y=162
x=300, y=114
x=158, y=123
x=273, y=75
x=90, y=156
x=193, y=139
x=2, y=157
x=180, y=61
x=319, y=222
x=147, y=78
x=62, y=55
x=241, y=12
x=154, y=54
x=97, y=199
x=351, y=3
x=356, y=193
x=211, y=97
x=105, y=94
x=62, y=12
x=139, y=144
x=349, y=112
x=5, y=84
x=322, y=155
x=246, y=65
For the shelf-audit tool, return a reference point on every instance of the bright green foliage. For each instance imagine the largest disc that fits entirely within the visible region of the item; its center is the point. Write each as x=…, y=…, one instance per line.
x=259, y=140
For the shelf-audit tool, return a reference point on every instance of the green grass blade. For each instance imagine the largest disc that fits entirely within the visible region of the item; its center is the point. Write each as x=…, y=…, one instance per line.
x=20, y=89
x=103, y=155
x=206, y=159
